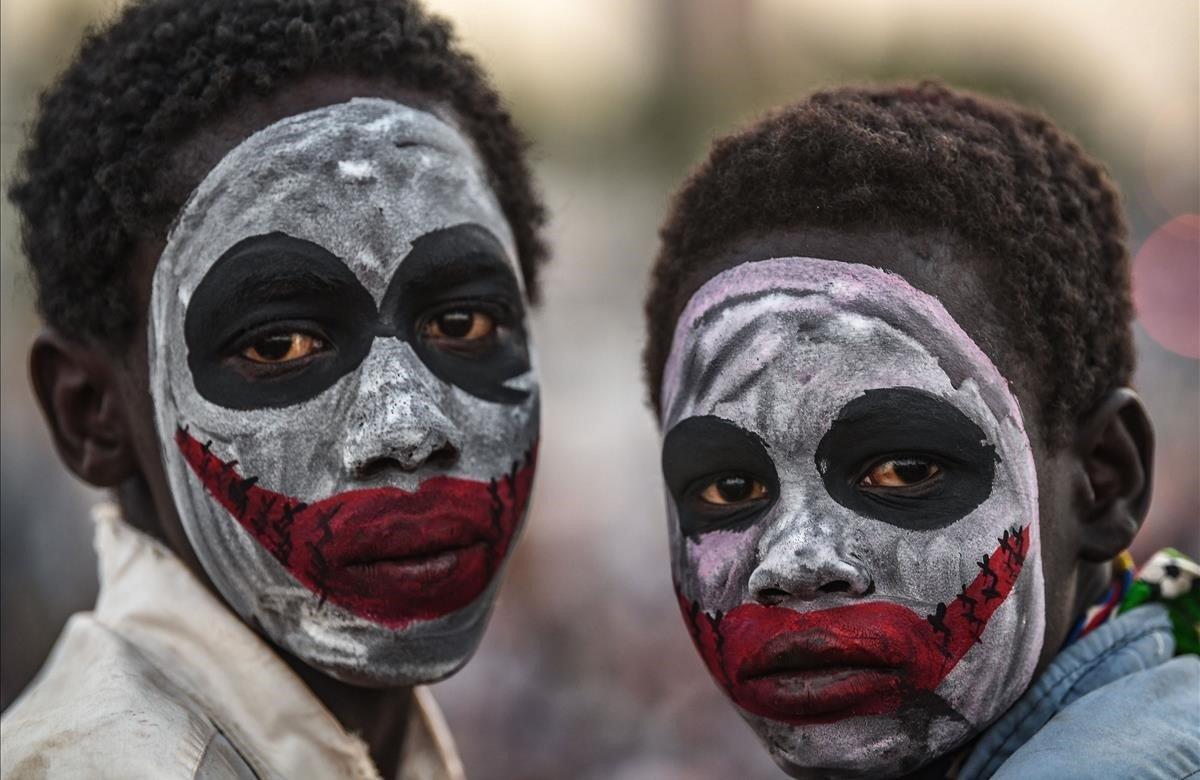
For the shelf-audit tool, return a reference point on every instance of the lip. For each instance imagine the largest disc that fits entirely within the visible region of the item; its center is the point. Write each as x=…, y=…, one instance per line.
x=821, y=696
x=388, y=555
x=817, y=673
x=407, y=546
x=809, y=667
x=818, y=650
x=386, y=524
x=427, y=567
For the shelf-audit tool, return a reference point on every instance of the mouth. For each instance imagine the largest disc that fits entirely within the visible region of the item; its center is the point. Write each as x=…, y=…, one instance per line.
x=817, y=667
x=860, y=659
x=812, y=652
x=825, y=695
x=427, y=567
x=388, y=555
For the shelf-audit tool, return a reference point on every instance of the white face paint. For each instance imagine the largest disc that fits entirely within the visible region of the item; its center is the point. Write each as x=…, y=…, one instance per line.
x=853, y=515
x=344, y=393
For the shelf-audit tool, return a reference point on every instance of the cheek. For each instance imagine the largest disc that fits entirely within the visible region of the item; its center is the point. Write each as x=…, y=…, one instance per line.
x=496, y=431
x=718, y=564
x=295, y=450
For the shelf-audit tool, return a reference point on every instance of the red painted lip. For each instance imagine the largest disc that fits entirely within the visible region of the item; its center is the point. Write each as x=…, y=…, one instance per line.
x=823, y=665
x=856, y=660
x=823, y=670
x=822, y=647
x=387, y=555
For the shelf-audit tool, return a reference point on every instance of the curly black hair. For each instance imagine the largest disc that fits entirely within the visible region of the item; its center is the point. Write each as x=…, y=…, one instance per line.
x=88, y=186
x=1003, y=179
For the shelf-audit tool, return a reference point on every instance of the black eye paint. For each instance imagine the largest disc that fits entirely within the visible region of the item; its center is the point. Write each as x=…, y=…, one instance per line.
x=274, y=282
x=458, y=268
x=271, y=281
x=905, y=422
x=701, y=450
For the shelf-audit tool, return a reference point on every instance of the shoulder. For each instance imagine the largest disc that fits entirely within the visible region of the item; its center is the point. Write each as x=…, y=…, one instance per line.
x=100, y=709
x=1143, y=724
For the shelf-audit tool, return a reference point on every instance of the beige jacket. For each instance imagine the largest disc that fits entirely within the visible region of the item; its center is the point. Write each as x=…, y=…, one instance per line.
x=161, y=680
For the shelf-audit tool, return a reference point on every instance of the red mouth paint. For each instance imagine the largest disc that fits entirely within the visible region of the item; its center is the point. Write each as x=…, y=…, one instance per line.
x=387, y=555
x=862, y=659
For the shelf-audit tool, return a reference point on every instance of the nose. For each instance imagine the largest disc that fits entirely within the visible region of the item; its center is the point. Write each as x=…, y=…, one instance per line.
x=396, y=419
x=804, y=563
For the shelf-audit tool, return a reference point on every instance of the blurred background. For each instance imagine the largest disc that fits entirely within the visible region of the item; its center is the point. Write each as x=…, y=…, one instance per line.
x=587, y=670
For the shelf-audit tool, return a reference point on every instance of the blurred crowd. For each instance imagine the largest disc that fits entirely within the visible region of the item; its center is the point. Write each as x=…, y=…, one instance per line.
x=586, y=670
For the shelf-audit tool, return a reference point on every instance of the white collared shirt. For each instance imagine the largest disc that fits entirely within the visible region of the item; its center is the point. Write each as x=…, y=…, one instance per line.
x=162, y=680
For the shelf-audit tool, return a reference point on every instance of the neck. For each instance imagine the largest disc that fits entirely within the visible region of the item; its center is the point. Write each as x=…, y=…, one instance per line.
x=379, y=716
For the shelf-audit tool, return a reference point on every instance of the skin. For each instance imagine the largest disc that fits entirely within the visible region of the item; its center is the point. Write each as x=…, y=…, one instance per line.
x=98, y=405
x=1093, y=486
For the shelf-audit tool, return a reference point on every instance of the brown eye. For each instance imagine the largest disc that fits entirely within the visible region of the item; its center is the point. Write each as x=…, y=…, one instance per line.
x=283, y=348
x=733, y=490
x=460, y=325
x=900, y=472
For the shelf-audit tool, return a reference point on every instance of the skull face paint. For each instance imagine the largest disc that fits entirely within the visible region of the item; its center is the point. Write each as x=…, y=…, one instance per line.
x=853, y=515
x=344, y=391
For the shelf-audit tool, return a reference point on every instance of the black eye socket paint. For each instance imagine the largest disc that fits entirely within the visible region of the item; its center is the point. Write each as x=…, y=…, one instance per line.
x=899, y=422
x=268, y=281
x=699, y=450
x=462, y=266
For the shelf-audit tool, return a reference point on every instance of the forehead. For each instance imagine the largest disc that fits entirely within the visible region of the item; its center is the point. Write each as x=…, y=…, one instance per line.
x=784, y=366
x=767, y=335
x=363, y=179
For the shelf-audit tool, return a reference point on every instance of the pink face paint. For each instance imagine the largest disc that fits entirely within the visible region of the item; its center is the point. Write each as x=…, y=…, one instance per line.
x=714, y=558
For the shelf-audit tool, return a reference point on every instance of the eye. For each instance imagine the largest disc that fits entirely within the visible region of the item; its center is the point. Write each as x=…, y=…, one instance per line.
x=900, y=473
x=460, y=325
x=283, y=348
x=734, y=489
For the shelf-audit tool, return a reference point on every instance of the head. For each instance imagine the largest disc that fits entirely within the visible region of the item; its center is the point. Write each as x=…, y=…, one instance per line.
x=284, y=253
x=889, y=347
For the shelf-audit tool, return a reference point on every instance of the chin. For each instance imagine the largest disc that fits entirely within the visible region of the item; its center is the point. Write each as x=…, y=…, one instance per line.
x=367, y=655
x=868, y=747
x=406, y=676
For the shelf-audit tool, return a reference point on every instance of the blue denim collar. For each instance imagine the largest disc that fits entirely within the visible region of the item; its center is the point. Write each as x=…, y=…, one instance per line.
x=1137, y=640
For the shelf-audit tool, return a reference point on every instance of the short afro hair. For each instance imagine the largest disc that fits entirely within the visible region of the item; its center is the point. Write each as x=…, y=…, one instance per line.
x=1002, y=179
x=88, y=187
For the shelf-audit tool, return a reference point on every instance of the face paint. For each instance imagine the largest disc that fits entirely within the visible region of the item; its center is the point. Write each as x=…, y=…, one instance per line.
x=344, y=392
x=853, y=515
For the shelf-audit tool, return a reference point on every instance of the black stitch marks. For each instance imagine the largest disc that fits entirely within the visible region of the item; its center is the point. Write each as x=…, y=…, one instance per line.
x=989, y=591
x=970, y=605
x=239, y=494
x=975, y=602
x=939, y=622
x=319, y=571
x=284, y=526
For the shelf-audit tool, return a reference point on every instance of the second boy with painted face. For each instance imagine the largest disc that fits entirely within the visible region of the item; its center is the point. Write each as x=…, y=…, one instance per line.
x=890, y=352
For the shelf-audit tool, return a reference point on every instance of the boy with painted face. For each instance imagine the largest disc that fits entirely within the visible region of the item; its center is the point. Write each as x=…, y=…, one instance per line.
x=890, y=351
x=284, y=252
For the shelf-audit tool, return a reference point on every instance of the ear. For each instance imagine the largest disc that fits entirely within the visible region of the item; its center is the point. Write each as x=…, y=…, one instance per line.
x=76, y=387
x=1115, y=445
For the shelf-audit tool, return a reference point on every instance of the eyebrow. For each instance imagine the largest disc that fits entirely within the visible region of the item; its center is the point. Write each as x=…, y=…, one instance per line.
x=269, y=271
x=461, y=257
x=261, y=286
